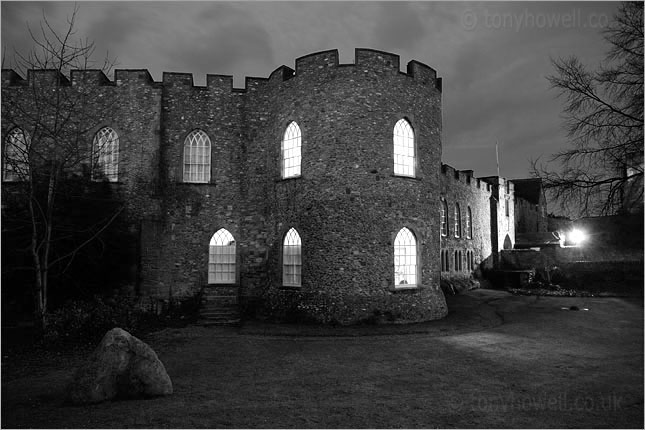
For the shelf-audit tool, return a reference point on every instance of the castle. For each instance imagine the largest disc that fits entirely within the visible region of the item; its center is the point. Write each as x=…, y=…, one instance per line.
x=318, y=190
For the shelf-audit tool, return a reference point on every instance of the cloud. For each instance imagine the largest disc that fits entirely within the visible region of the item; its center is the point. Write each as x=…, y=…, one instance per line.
x=217, y=38
x=398, y=26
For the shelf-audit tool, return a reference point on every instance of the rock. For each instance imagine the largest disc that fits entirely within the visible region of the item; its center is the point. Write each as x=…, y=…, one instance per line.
x=121, y=366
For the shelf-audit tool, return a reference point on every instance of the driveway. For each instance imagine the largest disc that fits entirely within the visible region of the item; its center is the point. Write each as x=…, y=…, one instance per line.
x=497, y=360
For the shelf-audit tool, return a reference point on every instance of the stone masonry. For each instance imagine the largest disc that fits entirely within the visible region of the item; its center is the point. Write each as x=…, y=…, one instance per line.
x=347, y=204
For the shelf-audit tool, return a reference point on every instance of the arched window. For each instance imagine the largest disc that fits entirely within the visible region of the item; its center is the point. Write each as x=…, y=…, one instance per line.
x=15, y=162
x=221, y=258
x=445, y=261
x=292, y=259
x=291, y=151
x=469, y=224
x=404, y=156
x=106, y=155
x=457, y=220
x=444, y=217
x=459, y=261
x=405, y=258
x=472, y=260
x=197, y=157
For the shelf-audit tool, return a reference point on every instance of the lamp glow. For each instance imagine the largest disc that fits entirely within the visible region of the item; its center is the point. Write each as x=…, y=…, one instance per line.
x=577, y=236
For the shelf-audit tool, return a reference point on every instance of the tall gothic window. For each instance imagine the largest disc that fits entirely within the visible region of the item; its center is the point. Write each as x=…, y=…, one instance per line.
x=106, y=155
x=457, y=220
x=292, y=259
x=221, y=258
x=469, y=224
x=291, y=151
x=15, y=162
x=404, y=156
x=197, y=157
x=444, y=218
x=405, y=258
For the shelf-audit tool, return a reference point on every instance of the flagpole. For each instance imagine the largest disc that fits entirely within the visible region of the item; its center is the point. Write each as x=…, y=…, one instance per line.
x=497, y=156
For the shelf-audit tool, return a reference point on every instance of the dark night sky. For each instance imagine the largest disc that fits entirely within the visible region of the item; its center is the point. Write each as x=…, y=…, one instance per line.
x=493, y=57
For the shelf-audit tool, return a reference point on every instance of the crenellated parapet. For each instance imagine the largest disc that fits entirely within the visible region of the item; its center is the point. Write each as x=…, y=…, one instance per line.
x=366, y=61
x=500, y=185
x=465, y=177
x=88, y=78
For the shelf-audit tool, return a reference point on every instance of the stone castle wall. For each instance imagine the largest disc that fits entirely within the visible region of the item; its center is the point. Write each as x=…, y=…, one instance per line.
x=347, y=205
x=470, y=192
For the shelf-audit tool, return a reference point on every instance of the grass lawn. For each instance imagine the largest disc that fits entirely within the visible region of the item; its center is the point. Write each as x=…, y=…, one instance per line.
x=496, y=361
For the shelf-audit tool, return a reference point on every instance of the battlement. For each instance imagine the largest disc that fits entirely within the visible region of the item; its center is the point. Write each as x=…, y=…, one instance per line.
x=46, y=77
x=89, y=77
x=369, y=60
x=465, y=177
x=499, y=183
x=10, y=77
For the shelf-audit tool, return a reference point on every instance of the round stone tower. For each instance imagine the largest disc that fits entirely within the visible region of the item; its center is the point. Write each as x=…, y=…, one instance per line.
x=364, y=205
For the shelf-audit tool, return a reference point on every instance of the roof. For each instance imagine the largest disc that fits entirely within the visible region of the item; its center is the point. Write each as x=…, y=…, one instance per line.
x=537, y=239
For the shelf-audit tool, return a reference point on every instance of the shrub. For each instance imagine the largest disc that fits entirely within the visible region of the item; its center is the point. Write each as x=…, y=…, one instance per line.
x=79, y=321
x=86, y=321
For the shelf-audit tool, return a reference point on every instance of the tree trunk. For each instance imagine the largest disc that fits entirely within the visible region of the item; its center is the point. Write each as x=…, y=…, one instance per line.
x=40, y=249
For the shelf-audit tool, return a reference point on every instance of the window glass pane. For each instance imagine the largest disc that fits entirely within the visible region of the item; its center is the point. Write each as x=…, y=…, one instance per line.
x=291, y=151
x=405, y=258
x=221, y=258
x=16, y=159
x=197, y=159
x=105, y=149
x=404, y=156
x=292, y=259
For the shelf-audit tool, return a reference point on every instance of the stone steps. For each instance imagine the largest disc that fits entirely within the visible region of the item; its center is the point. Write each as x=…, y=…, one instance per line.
x=220, y=306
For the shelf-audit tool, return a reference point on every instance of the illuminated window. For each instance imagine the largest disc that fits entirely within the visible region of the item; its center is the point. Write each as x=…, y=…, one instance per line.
x=405, y=258
x=292, y=259
x=291, y=151
x=197, y=157
x=221, y=258
x=444, y=218
x=469, y=224
x=106, y=155
x=404, y=157
x=16, y=158
x=457, y=220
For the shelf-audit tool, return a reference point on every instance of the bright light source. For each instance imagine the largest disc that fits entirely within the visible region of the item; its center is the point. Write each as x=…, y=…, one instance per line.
x=577, y=236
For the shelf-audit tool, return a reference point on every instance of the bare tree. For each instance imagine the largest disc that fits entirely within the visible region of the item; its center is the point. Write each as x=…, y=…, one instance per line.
x=49, y=125
x=603, y=116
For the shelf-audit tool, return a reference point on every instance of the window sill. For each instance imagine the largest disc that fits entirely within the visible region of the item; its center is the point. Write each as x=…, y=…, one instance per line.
x=290, y=287
x=406, y=289
x=290, y=178
x=195, y=183
x=414, y=178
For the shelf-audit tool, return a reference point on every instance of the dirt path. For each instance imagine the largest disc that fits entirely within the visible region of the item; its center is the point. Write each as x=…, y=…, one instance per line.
x=516, y=362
